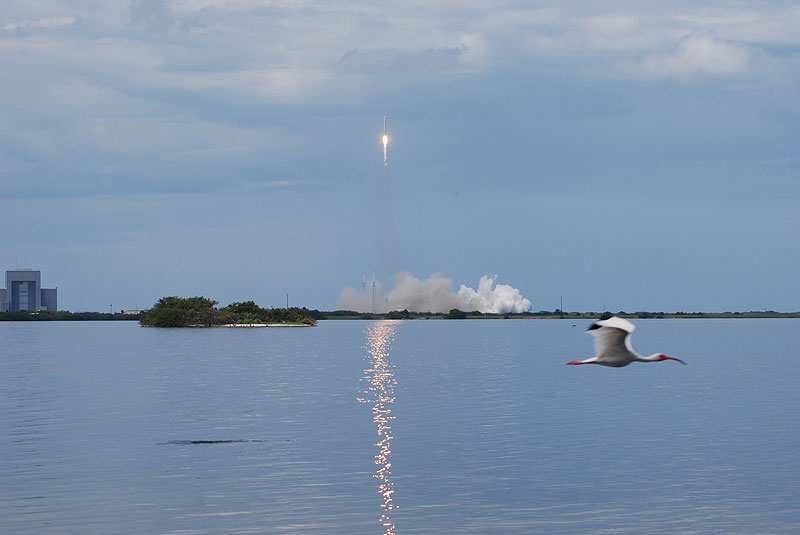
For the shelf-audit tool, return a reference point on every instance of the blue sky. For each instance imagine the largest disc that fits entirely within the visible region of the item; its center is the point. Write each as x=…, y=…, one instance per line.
x=623, y=155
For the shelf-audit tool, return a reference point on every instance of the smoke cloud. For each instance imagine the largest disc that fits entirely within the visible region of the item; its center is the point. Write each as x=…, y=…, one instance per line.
x=436, y=295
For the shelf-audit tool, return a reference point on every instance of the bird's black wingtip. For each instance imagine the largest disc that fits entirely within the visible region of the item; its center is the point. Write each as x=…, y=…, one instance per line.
x=605, y=316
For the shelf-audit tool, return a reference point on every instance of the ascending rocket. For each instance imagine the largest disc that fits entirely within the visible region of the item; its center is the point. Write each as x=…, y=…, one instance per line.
x=385, y=143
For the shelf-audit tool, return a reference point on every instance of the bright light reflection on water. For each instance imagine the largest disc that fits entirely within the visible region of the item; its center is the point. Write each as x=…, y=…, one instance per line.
x=379, y=376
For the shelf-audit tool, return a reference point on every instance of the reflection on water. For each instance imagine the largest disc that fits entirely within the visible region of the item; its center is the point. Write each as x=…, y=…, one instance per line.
x=380, y=393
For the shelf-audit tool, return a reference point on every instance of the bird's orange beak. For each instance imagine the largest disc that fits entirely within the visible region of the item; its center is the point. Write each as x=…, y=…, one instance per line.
x=665, y=357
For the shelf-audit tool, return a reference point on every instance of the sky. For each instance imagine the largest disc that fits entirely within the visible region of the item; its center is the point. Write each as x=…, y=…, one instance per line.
x=617, y=155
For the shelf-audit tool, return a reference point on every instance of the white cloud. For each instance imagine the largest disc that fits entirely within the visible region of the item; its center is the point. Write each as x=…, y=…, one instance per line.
x=41, y=24
x=386, y=61
x=771, y=26
x=699, y=55
x=160, y=81
x=150, y=15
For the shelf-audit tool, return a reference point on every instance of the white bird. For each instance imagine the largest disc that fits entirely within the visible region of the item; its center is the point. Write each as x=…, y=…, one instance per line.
x=612, y=344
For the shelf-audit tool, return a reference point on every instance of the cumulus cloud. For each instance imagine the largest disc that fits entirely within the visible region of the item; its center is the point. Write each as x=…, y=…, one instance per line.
x=152, y=15
x=110, y=79
x=429, y=60
x=435, y=294
x=41, y=24
x=701, y=54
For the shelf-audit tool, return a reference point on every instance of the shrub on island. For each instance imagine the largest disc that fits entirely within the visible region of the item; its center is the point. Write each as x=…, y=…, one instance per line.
x=455, y=314
x=200, y=311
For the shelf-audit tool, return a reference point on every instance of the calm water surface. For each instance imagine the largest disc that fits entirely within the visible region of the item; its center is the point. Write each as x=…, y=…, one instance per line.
x=415, y=427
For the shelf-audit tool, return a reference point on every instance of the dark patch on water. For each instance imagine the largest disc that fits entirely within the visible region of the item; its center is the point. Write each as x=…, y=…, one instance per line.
x=194, y=442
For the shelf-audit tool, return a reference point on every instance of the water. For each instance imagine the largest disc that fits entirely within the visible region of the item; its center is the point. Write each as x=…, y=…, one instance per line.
x=398, y=428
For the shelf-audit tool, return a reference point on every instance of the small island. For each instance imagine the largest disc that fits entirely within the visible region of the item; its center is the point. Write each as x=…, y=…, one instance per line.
x=202, y=312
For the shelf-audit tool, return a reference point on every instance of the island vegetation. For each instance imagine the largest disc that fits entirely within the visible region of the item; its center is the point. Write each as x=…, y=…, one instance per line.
x=202, y=312
x=455, y=314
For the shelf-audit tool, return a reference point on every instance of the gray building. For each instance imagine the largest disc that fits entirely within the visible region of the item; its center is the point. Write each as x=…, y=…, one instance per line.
x=24, y=291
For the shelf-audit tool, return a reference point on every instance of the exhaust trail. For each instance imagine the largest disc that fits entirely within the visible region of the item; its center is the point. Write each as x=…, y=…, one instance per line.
x=387, y=231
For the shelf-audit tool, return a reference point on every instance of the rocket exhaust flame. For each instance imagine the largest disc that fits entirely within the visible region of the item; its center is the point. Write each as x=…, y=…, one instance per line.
x=385, y=143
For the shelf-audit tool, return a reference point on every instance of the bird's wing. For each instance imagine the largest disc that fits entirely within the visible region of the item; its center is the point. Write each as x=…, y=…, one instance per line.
x=616, y=322
x=610, y=341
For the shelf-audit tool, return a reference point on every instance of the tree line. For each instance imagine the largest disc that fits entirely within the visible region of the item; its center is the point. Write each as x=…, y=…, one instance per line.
x=63, y=315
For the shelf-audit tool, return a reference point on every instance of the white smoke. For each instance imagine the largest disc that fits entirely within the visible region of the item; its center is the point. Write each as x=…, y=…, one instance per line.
x=433, y=295
x=498, y=300
x=436, y=295
x=352, y=299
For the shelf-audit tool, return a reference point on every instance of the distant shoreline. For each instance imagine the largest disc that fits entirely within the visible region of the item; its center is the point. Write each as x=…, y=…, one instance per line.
x=65, y=315
x=336, y=315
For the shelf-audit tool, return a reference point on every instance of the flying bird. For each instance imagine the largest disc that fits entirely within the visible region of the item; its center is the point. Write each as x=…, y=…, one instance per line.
x=612, y=344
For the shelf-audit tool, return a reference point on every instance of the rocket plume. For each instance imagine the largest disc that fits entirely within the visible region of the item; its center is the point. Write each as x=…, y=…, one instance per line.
x=436, y=295
x=432, y=295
